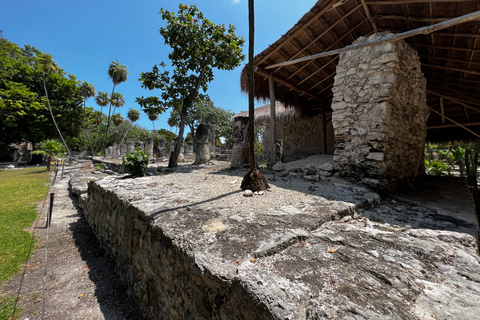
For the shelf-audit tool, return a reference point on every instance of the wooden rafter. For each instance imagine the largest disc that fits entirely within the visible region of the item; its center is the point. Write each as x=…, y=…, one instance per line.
x=455, y=122
x=369, y=16
x=416, y=44
x=439, y=126
x=423, y=30
x=409, y=18
x=462, y=102
x=448, y=59
x=450, y=68
x=299, y=30
x=390, y=2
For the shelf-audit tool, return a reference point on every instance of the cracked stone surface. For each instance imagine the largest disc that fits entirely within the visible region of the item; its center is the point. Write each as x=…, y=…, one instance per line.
x=189, y=245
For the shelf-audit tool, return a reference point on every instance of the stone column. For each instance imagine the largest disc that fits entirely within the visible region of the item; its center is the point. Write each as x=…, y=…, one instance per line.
x=123, y=149
x=240, y=141
x=139, y=144
x=149, y=147
x=131, y=148
x=110, y=151
x=161, y=150
x=379, y=114
x=203, y=143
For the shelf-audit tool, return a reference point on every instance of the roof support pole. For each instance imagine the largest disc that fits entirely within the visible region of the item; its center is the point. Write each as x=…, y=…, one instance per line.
x=442, y=109
x=324, y=131
x=273, y=118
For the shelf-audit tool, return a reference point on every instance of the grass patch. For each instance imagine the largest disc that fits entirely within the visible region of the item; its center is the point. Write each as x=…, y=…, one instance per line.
x=6, y=308
x=20, y=191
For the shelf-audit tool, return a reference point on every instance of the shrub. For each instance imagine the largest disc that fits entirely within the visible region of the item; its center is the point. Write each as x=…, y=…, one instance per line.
x=136, y=162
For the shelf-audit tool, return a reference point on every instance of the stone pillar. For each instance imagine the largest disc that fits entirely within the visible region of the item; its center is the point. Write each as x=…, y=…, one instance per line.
x=110, y=151
x=379, y=114
x=189, y=148
x=123, y=149
x=149, y=147
x=131, y=148
x=139, y=144
x=161, y=150
x=204, y=144
x=240, y=141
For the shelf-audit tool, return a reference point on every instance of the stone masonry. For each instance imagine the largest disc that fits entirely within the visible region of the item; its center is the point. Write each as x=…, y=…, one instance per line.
x=379, y=114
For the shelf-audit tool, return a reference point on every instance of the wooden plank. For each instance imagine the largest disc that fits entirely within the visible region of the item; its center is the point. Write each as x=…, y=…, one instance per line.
x=423, y=30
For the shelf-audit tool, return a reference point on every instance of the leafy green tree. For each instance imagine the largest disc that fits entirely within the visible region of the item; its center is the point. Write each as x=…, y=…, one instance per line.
x=133, y=115
x=198, y=46
x=24, y=113
x=152, y=116
x=204, y=111
x=118, y=73
x=50, y=149
x=117, y=119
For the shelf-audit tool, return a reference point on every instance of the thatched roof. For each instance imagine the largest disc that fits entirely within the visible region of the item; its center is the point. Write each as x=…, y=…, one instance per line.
x=450, y=57
x=262, y=114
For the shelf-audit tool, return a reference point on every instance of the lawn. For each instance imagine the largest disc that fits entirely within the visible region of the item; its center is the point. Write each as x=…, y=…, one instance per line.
x=20, y=191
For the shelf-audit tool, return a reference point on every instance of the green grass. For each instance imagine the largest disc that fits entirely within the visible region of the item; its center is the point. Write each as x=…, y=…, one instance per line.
x=7, y=305
x=20, y=191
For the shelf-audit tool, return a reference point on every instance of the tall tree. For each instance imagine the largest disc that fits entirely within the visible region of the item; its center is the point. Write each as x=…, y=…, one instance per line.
x=152, y=116
x=254, y=179
x=198, y=46
x=102, y=100
x=48, y=65
x=118, y=73
x=133, y=115
x=87, y=90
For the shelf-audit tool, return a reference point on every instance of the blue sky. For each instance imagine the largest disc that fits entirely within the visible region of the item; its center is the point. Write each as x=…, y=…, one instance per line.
x=85, y=36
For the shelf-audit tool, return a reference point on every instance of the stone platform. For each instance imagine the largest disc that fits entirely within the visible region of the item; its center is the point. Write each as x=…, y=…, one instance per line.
x=189, y=245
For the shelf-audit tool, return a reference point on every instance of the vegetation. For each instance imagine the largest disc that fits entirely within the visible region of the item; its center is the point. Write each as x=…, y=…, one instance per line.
x=24, y=111
x=198, y=46
x=204, y=111
x=50, y=149
x=136, y=162
x=20, y=190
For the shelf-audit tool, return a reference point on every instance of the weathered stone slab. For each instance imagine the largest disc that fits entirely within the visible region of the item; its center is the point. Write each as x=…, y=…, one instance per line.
x=219, y=255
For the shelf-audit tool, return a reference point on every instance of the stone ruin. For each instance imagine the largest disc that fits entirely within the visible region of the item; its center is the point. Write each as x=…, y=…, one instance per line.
x=240, y=142
x=204, y=143
x=379, y=113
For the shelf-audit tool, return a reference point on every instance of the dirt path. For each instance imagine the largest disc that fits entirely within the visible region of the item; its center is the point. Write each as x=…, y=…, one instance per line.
x=80, y=279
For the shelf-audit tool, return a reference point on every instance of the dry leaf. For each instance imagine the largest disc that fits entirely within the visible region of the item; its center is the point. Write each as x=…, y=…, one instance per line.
x=237, y=262
x=332, y=250
x=252, y=260
x=80, y=295
x=37, y=301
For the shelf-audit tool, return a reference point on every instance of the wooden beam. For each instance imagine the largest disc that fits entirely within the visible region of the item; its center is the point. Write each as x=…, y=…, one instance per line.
x=442, y=109
x=369, y=16
x=327, y=7
x=387, y=2
x=457, y=100
x=450, y=68
x=448, y=59
x=439, y=126
x=273, y=117
x=424, y=30
x=328, y=48
x=457, y=34
x=324, y=131
x=266, y=74
x=458, y=124
x=443, y=47
x=409, y=18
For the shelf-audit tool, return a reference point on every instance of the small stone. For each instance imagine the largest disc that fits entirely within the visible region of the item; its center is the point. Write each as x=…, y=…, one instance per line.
x=279, y=166
x=248, y=193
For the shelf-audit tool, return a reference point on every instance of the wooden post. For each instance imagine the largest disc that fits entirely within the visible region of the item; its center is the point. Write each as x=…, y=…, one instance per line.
x=50, y=208
x=324, y=131
x=442, y=110
x=273, y=118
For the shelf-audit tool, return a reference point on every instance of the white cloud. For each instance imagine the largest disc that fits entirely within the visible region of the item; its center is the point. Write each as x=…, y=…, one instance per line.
x=235, y=1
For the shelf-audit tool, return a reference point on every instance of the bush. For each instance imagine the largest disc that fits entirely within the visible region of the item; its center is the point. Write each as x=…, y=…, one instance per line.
x=136, y=162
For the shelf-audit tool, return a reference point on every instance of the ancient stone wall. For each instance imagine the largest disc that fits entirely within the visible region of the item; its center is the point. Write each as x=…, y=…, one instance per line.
x=379, y=113
x=302, y=137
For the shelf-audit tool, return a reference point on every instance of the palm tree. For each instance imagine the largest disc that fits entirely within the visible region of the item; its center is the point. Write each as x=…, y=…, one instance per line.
x=50, y=149
x=132, y=115
x=152, y=116
x=254, y=179
x=48, y=65
x=86, y=90
x=118, y=73
x=117, y=119
x=102, y=100
x=117, y=100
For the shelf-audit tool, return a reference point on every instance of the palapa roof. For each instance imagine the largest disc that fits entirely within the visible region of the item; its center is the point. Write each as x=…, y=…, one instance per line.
x=450, y=57
x=262, y=114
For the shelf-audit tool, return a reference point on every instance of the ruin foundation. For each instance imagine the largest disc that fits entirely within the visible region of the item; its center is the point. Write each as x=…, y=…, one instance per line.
x=379, y=114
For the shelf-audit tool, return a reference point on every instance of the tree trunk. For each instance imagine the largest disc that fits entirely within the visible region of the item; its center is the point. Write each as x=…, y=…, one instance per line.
x=254, y=179
x=173, y=161
x=108, y=119
x=53, y=118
